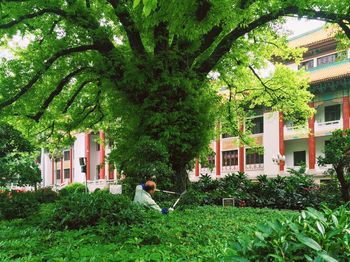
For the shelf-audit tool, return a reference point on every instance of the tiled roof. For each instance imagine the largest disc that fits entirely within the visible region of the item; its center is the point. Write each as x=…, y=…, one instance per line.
x=334, y=71
x=314, y=37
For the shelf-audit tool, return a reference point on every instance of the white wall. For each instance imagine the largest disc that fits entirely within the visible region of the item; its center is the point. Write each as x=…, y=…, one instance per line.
x=295, y=145
x=78, y=151
x=94, y=156
x=271, y=142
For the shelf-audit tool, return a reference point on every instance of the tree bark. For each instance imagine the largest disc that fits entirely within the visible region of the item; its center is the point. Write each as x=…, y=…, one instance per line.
x=343, y=184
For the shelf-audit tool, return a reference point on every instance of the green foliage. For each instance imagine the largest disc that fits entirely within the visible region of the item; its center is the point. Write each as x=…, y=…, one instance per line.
x=296, y=191
x=337, y=153
x=18, y=204
x=312, y=236
x=45, y=195
x=199, y=234
x=147, y=159
x=83, y=210
x=17, y=162
x=73, y=188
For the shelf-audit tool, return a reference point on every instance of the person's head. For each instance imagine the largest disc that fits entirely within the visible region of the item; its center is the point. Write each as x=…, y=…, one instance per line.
x=150, y=187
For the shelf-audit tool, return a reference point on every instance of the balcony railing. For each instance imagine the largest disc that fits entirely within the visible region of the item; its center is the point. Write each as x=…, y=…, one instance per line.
x=253, y=167
x=328, y=126
x=230, y=168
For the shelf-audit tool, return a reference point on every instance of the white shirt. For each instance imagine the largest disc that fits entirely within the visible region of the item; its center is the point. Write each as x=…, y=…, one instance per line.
x=144, y=198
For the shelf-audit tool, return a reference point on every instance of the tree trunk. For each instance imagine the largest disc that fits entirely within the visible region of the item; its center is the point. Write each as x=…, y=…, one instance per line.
x=343, y=184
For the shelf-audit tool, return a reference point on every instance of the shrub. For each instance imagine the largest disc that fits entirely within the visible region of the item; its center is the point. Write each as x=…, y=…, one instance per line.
x=82, y=210
x=74, y=188
x=17, y=204
x=45, y=195
x=311, y=236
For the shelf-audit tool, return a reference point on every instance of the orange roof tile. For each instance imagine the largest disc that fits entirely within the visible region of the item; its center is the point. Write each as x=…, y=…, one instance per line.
x=330, y=72
x=317, y=36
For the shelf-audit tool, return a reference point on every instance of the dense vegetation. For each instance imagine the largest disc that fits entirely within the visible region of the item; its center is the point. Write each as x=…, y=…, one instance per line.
x=198, y=234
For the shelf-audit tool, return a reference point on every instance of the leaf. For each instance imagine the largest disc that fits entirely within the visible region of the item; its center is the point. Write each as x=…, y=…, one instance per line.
x=136, y=3
x=309, y=242
x=335, y=220
x=327, y=257
x=320, y=227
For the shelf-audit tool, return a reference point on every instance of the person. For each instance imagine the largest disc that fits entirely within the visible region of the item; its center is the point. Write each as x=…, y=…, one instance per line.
x=143, y=196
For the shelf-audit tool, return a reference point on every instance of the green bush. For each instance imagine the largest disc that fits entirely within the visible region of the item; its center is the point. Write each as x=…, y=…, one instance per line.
x=311, y=236
x=74, y=188
x=45, y=195
x=18, y=204
x=83, y=210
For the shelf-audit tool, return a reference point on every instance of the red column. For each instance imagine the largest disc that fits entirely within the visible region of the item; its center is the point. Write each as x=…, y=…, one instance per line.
x=53, y=171
x=346, y=113
x=197, y=168
x=87, y=155
x=241, y=152
x=110, y=172
x=71, y=165
x=281, y=139
x=102, y=155
x=311, y=140
x=218, y=152
x=61, y=171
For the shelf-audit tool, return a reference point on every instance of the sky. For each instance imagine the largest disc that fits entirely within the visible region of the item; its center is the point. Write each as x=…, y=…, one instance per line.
x=300, y=26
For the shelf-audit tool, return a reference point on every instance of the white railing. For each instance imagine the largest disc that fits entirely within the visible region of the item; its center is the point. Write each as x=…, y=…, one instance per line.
x=252, y=167
x=295, y=128
x=328, y=126
x=336, y=122
x=230, y=168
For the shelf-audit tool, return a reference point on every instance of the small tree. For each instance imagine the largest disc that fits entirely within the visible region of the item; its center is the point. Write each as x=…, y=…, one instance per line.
x=17, y=163
x=337, y=153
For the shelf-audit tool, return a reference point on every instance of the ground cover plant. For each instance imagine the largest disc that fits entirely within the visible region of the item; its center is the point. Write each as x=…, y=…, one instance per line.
x=312, y=236
x=197, y=234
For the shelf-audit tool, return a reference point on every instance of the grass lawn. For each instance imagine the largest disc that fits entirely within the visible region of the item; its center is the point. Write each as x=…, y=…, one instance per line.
x=203, y=233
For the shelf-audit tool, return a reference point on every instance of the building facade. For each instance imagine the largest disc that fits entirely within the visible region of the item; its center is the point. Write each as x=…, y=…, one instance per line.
x=285, y=145
x=65, y=167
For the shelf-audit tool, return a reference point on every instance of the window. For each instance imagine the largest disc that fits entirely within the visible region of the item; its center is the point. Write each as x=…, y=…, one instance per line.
x=299, y=158
x=97, y=147
x=307, y=64
x=98, y=171
x=253, y=157
x=326, y=143
x=326, y=59
x=66, y=173
x=66, y=155
x=211, y=162
x=258, y=125
x=230, y=158
x=332, y=113
x=226, y=135
x=58, y=174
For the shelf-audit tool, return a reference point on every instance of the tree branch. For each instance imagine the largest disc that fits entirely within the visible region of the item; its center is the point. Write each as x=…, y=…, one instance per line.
x=33, y=15
x=76, y=93
x=345, y=28
x=161, y=37
x=225, y=44
x=46, y=66
x=56, y=92
x=129, y=26
x=208, y=40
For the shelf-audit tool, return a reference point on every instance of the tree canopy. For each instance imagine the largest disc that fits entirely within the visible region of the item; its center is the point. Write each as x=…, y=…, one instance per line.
x=141, y=70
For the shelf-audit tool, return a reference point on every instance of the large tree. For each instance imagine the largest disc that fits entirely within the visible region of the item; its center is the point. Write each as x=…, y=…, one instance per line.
x=140, y=70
